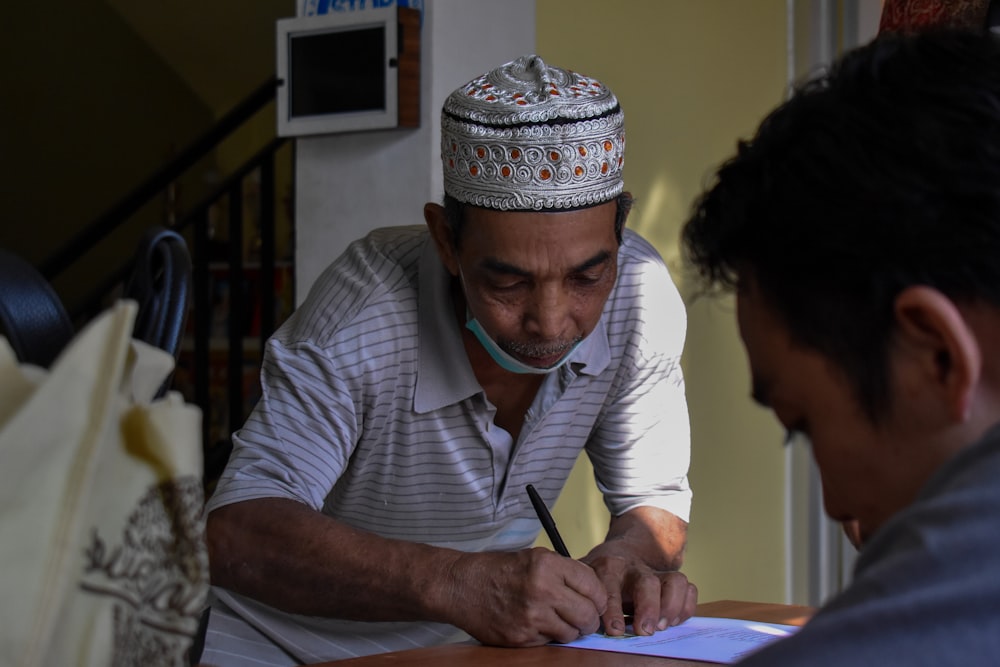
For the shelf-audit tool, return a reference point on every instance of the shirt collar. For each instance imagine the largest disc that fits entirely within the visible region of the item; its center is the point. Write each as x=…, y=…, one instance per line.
x=444, y=374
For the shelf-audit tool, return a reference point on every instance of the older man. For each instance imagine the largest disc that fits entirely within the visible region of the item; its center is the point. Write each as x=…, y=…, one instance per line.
x=860, y=229
x=375, y=499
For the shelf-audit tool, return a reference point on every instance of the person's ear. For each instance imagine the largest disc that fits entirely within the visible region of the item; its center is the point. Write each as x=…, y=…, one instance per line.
x=945, y=346
x=437, y=223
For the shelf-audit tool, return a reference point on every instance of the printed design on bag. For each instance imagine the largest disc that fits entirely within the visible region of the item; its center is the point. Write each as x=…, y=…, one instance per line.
x=157, y=575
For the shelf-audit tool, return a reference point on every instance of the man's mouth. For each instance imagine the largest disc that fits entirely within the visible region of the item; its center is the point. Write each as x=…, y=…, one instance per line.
x=543, y=362
x=538, y=355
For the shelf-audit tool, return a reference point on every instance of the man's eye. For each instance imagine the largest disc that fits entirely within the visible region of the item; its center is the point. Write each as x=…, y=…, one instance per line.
x=506, y=286
x=587, y=278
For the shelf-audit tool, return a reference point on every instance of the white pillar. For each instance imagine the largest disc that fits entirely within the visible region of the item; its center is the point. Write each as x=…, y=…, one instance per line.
x=349, y=184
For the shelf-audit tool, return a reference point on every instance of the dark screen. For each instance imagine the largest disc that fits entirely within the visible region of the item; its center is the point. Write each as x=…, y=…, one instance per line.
x=337, y=71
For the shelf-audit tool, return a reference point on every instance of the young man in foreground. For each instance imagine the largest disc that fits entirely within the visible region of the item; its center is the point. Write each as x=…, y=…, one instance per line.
x=860, y=231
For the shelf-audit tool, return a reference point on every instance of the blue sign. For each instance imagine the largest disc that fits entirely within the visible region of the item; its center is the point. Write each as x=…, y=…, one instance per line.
x=320, y=7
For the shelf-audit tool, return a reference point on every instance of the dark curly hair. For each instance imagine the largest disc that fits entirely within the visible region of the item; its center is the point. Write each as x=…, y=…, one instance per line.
x=882, y=173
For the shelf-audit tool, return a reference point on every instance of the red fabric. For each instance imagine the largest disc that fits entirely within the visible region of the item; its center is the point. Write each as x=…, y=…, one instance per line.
x=914, y=15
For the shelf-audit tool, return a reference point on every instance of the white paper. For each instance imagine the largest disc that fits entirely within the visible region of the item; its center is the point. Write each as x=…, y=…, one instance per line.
x=724, y=640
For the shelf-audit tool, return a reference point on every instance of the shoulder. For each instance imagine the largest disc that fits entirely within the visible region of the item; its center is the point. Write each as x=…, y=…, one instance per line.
x=641, y=267
x=635, y=246
x=645, y=301
x=374, y=279
x=382, y=252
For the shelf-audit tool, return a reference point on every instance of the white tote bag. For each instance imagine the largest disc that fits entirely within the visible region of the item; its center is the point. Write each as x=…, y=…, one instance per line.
x=102, y=552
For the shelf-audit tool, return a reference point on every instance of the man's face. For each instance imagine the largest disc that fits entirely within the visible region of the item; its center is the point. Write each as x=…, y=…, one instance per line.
x=869, y=471
x=537, y=282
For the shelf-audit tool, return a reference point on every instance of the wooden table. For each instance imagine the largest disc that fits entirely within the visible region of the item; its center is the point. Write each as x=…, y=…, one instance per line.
x=475, y=655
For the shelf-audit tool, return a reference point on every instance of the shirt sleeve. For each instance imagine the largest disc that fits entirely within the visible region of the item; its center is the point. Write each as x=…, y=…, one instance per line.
x=300, y=435
x=641, y=446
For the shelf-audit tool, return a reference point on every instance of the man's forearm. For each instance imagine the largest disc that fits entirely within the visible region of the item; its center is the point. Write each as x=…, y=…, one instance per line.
x=291, y=557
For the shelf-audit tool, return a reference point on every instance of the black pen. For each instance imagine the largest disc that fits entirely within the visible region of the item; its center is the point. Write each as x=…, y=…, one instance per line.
x=547, y=523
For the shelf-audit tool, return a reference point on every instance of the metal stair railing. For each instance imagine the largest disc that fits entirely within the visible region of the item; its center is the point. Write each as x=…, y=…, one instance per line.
x=196, y=223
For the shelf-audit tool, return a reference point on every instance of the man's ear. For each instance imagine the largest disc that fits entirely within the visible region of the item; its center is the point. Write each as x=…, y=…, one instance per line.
x=440, y=230
x=932, y=327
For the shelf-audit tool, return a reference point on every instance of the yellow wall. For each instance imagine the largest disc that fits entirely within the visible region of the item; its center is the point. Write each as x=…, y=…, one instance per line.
x=692, y=76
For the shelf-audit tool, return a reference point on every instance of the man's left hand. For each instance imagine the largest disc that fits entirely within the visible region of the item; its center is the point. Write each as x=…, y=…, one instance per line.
x=637, y=564
x=655, y=600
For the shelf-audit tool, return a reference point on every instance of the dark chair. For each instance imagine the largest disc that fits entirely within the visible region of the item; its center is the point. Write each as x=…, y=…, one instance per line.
x=32, y=316
x=35, y=321
x=161, y=284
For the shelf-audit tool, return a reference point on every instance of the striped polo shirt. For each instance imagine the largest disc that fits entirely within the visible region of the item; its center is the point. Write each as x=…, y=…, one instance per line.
x=371, y=414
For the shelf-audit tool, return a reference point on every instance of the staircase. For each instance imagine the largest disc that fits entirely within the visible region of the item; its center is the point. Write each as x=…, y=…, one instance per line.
x=122, y=82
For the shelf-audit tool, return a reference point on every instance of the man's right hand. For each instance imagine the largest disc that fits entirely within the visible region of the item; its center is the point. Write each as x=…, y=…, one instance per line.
x=524, y=598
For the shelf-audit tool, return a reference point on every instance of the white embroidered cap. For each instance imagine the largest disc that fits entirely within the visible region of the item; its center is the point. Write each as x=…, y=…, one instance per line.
x=527, y=136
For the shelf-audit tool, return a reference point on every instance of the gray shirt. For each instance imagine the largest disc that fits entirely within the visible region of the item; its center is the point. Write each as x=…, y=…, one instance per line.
x=926, y=587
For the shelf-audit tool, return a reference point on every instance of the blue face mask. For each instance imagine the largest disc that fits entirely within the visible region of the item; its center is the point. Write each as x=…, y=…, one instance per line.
x=498, y=354
x=505, y=360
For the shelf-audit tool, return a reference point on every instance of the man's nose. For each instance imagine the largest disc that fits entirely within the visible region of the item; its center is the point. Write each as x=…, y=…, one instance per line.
x=548, y=313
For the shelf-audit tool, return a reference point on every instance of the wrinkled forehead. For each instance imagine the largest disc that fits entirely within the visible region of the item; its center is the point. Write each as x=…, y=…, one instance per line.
x=562, y=240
